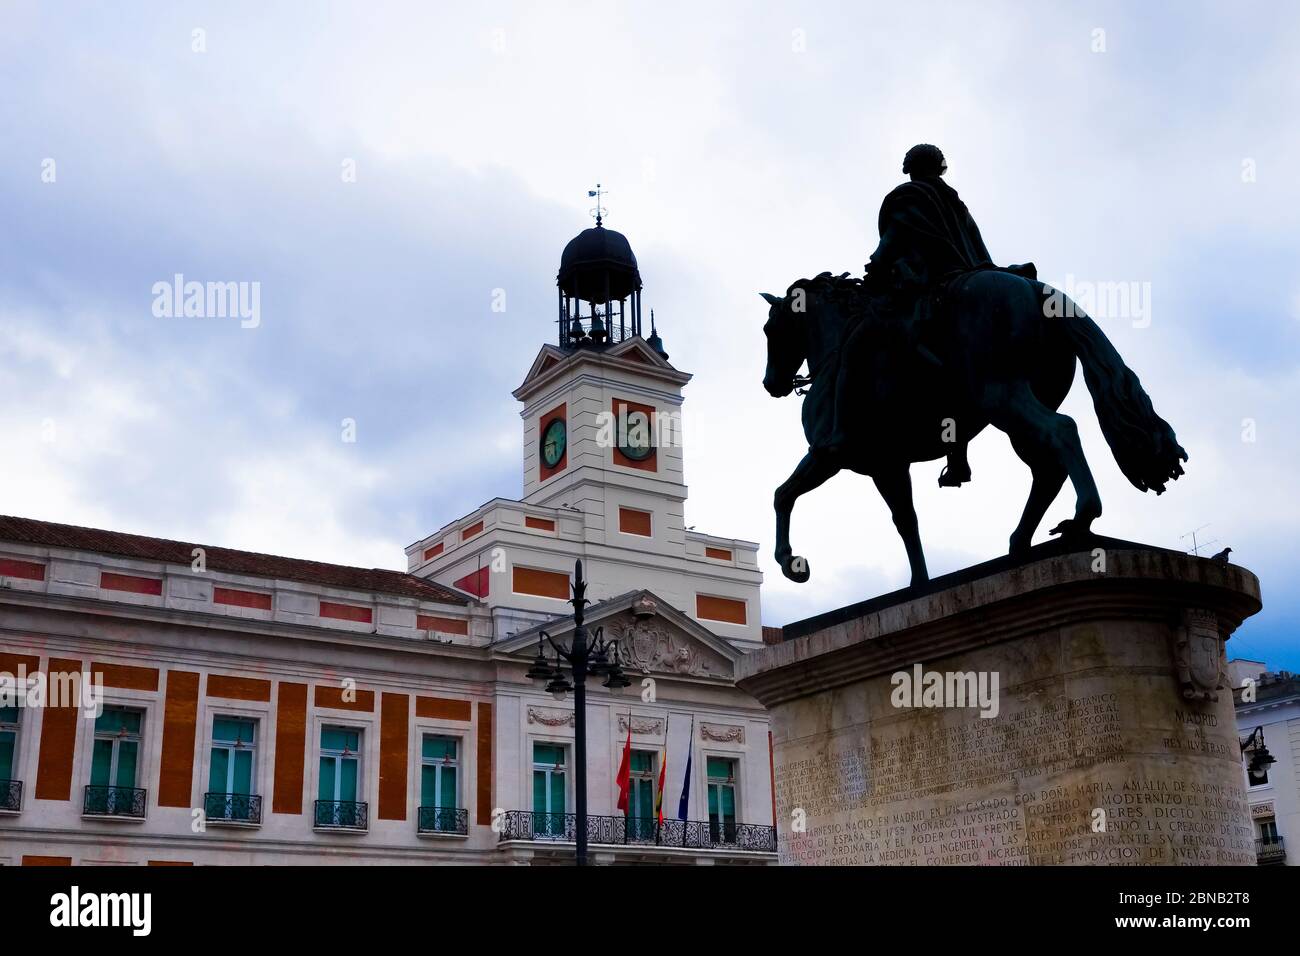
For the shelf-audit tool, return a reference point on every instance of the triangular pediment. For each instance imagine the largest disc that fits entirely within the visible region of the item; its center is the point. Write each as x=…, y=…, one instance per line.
x=653, y=638
x=636, y=349
x=549, y=357
x=631, y=354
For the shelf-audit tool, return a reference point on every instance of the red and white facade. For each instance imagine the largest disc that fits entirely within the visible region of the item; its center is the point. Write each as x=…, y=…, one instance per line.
x=188, y=639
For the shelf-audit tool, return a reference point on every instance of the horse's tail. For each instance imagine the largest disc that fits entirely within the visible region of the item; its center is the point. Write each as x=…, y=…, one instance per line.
x=1143, y=443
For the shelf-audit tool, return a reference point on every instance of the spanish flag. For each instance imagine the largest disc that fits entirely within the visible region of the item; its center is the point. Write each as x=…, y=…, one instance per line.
x=659, y=796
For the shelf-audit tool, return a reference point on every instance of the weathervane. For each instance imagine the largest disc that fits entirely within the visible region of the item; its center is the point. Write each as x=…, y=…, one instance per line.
x=599, y=211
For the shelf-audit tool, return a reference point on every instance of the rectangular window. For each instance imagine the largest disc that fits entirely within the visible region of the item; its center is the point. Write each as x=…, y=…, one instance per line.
x=1268, y=832
x=340, y=774
x=548, y=790
x=439, y=782
x=114, y=766
x=9, y=724
x=230, y=767
x=722, y=799
x=641, y=816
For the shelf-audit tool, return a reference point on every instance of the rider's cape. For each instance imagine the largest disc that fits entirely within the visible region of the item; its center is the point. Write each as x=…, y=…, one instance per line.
x=924, y=224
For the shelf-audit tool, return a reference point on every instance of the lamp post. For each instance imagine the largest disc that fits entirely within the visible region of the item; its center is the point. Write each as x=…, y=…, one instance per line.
x=1260, y=759
x=595, y=658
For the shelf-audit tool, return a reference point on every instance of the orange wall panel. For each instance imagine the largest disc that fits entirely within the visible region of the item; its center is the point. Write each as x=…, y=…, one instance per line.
x=290, y=748
x=718, y=554
x=539, y=524
x=634, y=521
x=9, y=663
x=332, y=697
x=447, y=625
x=727, y=610
x=442, y=708
x=346, y=612
x=180, y=721
x=239, y=598
x=58, y=742
x=552, y=584
x=394, y=718
x=126, y=676
x=28, y=570
x=238, y=688
x=472, y=530
x=47, y=861
x=132, y=583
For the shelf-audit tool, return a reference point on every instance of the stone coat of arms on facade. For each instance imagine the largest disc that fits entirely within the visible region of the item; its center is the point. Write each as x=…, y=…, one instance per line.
x=647, y=645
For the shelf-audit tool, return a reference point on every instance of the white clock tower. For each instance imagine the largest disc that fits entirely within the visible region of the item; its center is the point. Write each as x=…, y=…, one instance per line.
x=603, y=473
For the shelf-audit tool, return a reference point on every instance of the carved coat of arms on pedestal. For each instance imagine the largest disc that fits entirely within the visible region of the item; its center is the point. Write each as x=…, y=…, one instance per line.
x=1198, y=655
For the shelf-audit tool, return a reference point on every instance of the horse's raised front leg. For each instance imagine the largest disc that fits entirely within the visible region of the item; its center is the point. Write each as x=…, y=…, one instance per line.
x=895, y=486
x=811, y=472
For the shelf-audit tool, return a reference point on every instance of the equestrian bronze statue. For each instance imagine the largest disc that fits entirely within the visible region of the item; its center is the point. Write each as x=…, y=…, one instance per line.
x=913, y=361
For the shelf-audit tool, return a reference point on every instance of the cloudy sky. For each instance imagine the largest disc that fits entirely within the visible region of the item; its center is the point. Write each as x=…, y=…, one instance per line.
x=744, y=145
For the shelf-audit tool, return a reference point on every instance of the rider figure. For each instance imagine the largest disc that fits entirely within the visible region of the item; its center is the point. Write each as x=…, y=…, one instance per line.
x=927, y=236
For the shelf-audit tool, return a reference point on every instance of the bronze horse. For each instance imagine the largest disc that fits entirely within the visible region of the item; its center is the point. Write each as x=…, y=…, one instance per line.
x=1000, y=349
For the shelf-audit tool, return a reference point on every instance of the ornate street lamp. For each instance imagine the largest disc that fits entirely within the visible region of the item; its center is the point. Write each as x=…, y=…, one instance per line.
x=1260, y=758
x=596, y=658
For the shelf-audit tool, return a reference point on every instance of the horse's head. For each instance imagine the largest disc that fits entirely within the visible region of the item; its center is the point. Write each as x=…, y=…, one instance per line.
x=786, y=346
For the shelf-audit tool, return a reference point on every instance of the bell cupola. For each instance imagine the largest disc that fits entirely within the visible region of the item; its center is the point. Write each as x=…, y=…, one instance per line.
x=599, y=287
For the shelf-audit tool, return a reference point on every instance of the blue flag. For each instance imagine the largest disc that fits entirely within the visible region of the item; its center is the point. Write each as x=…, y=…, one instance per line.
x=686, y=783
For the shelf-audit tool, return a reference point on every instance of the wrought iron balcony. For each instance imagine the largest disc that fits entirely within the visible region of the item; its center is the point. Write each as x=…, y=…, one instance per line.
x=232, y=808
x=1270, y=851
x=449, y=820
x=11, y=796
x=640, y=831
x=126, y=802
x=342, y=815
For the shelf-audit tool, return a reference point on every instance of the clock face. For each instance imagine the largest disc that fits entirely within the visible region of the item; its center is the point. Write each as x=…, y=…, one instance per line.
x=636, y=442
x=553, y=439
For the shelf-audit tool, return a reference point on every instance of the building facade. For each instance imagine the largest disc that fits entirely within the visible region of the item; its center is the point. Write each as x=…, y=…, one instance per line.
x=1268, y=724
x=174, y=703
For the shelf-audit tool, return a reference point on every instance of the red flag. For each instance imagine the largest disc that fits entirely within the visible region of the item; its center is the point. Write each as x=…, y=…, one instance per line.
x=663, y=772
x=624, y=777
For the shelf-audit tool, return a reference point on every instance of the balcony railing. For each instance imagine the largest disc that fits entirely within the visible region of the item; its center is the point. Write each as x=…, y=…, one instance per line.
x=232, y=808
x=640, y=831
x=11, y=796
x=342, y=815
x=448, y=820
x=115, y=802
x=1270, y=851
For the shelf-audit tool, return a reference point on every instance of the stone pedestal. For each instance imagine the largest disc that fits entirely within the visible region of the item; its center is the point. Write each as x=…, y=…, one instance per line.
x=1071, y=709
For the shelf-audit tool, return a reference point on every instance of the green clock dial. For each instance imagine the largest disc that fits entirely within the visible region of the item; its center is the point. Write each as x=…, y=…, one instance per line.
x=553, y=439
x=637, y=443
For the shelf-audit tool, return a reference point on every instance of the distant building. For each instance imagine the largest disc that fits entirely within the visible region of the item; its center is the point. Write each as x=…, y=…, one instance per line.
x=1269, y=727
x=260, y=709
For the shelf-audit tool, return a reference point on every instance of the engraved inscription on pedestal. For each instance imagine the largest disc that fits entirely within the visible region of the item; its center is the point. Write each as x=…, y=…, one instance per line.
x=1048, y=781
